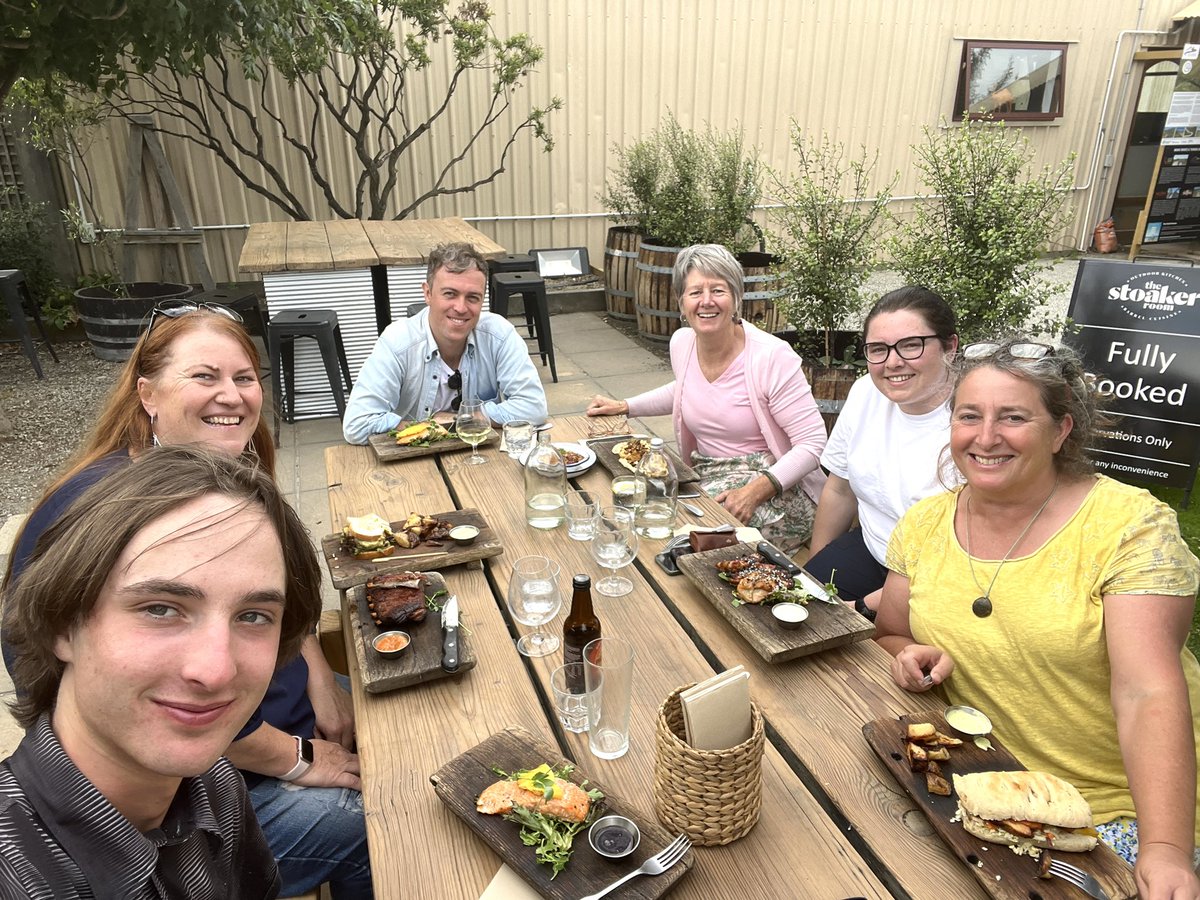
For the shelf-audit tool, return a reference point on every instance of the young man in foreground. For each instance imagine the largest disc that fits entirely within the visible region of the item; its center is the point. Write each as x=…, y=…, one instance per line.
x=147, y=627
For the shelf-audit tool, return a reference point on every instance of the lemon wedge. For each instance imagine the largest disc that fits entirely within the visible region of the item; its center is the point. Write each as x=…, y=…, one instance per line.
x=540, y=780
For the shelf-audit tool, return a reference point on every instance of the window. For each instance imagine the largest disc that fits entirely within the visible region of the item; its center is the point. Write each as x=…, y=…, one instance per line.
x=1011, y=80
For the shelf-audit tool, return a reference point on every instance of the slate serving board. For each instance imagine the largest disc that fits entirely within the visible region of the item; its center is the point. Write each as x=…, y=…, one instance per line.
x=1017, y=874
x=422, y=661
x=612, y=462
x=459, y=782
x=347, y=572
x=388, y=450
x=828, y=625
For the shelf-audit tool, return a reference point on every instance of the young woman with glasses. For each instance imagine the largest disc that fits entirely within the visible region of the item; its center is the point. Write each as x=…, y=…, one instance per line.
x=883, y=453
x=193, y=379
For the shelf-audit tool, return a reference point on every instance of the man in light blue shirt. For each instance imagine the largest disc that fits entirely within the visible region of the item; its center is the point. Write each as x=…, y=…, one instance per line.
x=424, y=366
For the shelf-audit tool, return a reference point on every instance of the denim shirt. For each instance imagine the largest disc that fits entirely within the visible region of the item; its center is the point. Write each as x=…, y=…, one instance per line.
x=398, y=382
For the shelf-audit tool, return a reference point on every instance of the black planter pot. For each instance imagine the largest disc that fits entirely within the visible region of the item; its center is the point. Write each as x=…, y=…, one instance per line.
x=114, y=324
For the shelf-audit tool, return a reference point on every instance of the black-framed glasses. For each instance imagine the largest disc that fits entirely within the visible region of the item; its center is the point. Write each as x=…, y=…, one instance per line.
x=906, y=348
x=173, y=309
x=454, y=382
x=1019, y=350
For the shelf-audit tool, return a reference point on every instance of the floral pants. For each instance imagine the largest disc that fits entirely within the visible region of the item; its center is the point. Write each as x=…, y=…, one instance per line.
x=785, y=520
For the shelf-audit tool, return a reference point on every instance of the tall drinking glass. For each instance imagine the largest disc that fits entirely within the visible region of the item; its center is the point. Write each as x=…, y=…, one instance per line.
x=614, y=544
x=473, y=427
x=608, y=679
x=534, y=598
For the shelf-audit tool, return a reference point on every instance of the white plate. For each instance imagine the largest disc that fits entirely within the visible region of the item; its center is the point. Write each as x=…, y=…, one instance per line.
x=588, y=454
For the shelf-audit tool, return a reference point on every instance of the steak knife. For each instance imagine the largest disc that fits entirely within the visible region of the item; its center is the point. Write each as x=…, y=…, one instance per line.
x=450, y=634
x=775, y=555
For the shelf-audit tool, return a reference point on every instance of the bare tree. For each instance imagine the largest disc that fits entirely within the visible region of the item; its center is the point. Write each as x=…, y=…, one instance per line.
x=365, y=94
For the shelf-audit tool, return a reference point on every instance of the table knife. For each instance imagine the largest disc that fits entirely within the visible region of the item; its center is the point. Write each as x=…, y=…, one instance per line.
x=777, y=556
x=450, y=657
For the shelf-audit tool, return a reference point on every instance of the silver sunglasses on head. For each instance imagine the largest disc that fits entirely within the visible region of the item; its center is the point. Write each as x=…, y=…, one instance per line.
x=1018, y=350
x=173, y=309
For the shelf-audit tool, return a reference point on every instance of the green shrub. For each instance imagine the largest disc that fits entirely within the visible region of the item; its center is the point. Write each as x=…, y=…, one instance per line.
x=977, y=241
x=824, y=240
x=682, y=187
x=24, y=246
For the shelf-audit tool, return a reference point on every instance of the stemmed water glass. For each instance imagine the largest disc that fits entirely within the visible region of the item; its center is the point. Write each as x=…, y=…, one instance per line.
x=473, y=427
x=614, y=544
x=534, y=598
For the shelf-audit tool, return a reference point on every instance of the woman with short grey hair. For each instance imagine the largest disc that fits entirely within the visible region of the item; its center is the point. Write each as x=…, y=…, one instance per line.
x=744, y=414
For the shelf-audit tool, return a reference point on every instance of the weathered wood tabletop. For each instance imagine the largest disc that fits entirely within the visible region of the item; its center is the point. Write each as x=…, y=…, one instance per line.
x=352, y=244
x=834, y=822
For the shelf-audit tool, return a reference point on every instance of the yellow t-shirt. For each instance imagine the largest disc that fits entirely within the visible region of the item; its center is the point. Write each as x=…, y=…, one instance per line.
x=1038, y=666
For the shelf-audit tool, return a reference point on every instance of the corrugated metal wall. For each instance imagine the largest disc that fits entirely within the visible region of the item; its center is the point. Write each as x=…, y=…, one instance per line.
x=866, y=72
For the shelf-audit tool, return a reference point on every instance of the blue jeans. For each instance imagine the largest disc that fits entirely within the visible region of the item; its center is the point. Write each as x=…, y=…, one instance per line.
x=318, y=835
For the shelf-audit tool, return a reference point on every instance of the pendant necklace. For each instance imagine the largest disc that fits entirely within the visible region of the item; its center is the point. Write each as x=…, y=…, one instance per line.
x=982, y=607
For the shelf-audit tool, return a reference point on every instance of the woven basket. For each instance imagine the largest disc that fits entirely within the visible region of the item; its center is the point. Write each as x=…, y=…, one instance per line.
x=714, y=796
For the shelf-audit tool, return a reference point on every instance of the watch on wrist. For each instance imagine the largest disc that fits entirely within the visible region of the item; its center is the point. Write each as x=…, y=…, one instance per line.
x=304, y=760
x=863, y=610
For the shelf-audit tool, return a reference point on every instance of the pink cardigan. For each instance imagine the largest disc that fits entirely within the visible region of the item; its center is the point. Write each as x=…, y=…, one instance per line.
x=780, y=397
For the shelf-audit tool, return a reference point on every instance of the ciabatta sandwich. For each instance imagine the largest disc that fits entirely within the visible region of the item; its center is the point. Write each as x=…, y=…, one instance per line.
x=1025, y=809
x=368, y=537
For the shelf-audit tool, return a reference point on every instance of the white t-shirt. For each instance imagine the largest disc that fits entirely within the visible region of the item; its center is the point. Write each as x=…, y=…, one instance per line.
x=889, y=457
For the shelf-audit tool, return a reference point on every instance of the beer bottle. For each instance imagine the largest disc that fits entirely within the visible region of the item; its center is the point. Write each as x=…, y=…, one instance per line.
x=580, y=626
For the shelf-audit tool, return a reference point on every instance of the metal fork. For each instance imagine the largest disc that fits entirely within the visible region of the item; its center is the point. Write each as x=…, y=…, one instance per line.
x=1079, y=878
x=655, y=865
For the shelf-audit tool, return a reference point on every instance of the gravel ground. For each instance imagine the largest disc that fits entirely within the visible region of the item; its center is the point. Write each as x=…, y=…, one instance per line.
x=48, y=418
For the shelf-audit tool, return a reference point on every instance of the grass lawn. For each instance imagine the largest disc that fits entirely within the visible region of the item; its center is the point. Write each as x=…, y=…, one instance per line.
x=1189, y=525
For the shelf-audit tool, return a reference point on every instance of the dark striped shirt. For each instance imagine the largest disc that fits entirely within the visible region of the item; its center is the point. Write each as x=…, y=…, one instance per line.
x=60, y=838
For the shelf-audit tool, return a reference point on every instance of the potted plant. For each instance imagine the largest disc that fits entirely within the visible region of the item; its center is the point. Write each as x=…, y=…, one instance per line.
x=112, y=309
x=825, y=250
x=977, y=240
x=629, y=192
x=681, y=188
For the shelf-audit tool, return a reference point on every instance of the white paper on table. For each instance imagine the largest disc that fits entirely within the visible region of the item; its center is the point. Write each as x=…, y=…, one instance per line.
x=508, y=885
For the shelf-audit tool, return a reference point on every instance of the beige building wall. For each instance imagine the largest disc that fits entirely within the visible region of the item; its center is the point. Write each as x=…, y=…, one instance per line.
x=871, y=73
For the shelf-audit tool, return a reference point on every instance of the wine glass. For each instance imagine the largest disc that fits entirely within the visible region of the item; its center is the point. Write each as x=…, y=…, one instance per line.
x=534, y=598
x=473, y=427
x=614, y=544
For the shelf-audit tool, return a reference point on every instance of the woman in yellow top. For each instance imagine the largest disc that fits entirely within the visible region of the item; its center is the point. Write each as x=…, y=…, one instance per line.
x=1058, y=602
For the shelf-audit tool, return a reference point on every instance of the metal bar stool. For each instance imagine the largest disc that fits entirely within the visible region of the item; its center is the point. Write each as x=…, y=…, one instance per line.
x=19, y=301
x=531, y=288
x=322, y=326
x=510, y=262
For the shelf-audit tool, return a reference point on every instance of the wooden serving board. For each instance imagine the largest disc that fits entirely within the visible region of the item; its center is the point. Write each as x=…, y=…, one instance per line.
x=422, y=661
x=388, y=450
x=612, y=462
x=828, y=625
x=459, y=782
x=347, y=572
x=1002, y=873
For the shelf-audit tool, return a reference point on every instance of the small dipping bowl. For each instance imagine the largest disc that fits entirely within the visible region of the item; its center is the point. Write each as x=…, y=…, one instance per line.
x=614, y=836
x=968, y=720
x=789, y=615
x=463, y=534
x=391, y=644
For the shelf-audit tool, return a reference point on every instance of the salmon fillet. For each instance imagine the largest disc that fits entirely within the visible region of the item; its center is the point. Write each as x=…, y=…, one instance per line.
x=501, y=797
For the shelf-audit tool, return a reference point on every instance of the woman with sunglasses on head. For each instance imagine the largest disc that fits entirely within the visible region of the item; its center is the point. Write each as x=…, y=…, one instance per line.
x=883, y=453
x=744, y=415
x=1057, y=601
x=193, y=378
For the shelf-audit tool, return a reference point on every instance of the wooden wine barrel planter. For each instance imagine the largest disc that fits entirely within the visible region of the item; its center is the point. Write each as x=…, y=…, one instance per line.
x=620, y=271
x=114, y=324
x=830, y=386
x=657, y=311
x=761, y=288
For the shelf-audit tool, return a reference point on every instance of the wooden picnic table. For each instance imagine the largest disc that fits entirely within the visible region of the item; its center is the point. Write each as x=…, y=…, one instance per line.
x=834, y=822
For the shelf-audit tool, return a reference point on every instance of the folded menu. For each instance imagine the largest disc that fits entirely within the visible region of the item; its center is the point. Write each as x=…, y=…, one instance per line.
x=716, y=712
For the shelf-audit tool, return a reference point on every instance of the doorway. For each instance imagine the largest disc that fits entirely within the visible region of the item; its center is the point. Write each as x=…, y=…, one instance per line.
x=1141, y=148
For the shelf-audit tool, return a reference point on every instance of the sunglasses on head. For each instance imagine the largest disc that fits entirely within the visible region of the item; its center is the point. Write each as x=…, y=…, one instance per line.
x=1019, y=350
x=173, y=309
x=454, y=382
